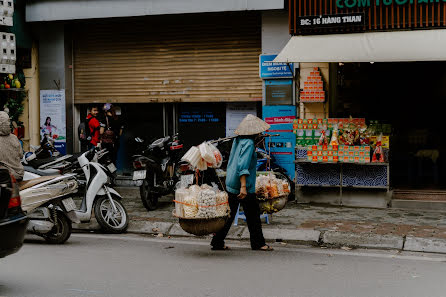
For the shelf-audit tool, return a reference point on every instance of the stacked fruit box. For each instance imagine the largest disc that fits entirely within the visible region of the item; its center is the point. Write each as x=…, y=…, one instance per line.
x=354, y=153
x=313, y=90
x=323, y=153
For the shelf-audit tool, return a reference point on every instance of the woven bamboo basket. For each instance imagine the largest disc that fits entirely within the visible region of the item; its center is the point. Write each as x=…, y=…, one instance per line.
x=201, y=226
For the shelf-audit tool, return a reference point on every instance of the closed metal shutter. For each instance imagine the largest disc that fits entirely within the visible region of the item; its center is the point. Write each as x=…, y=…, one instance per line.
x=182, y=58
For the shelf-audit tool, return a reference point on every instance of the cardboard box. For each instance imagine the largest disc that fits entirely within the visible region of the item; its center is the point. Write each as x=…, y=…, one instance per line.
x=319, y=158
x=356, y=160
x=335, y=153
x=320, y=153
x=341, y=153
x=310, y=153
x=366, y=159
x=310, y=158
x=330, y=153
x=325, y=159
x=346, y=159
x=335, y=159
x=315, y=158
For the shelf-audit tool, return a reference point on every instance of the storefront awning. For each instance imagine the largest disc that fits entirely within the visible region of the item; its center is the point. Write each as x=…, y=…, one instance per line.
x=401, y=46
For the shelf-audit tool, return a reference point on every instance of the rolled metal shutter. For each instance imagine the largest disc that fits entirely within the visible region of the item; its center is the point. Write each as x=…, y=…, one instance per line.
x=186, y=58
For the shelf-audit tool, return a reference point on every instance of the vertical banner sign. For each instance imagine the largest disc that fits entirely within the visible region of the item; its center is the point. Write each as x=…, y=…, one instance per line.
x=52, y=117
x=281, y=147
x=235, y=113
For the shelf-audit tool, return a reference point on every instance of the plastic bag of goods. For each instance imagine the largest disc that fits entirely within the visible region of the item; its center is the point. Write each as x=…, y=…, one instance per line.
x=192, y=156
x=262, y=182
x=190, y=202
x=207, y=204
x=222, y=208
x=180, y=196
x=273, y=188
x=207, y=154
x=218, y=156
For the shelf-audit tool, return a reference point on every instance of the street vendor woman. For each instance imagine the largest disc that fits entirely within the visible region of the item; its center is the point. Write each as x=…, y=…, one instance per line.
x=241, y=183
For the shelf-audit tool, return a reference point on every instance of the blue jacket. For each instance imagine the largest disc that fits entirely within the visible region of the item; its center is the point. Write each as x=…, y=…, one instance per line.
x=242, y=161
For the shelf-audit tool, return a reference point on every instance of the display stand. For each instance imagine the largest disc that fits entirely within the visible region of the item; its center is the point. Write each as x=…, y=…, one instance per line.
x=342, y=175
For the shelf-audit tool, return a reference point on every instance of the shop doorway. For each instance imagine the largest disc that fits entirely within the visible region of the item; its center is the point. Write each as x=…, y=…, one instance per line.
x=408, y=97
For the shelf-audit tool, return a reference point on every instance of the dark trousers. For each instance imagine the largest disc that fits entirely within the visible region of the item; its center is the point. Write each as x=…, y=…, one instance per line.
x=252, y=213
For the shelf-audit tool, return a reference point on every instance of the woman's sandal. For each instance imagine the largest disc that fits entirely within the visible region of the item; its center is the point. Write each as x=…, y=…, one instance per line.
x=265, y=248
x=221, y=248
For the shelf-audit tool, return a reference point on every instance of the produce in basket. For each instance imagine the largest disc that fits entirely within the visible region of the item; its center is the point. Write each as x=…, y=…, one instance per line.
x=269, y=187
x=207, y=204
x=180, y=196
x=222, y=204
x=203, y=202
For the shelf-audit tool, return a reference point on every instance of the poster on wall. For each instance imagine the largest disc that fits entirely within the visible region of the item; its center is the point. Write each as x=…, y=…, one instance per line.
x=53, y=118
x=235, y=113
x=281, y=147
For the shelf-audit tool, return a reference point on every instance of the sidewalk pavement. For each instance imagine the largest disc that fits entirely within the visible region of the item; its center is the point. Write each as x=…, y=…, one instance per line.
x=330, y=226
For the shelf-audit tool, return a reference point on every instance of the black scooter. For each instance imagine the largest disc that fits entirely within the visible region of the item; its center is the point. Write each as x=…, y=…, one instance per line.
x=157, y=166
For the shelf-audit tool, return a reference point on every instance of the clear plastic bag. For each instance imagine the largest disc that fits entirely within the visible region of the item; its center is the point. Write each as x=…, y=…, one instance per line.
x=207, y=201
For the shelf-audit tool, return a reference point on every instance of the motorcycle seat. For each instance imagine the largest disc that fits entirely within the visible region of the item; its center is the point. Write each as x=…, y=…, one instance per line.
x=32, y=182
x=36, y=163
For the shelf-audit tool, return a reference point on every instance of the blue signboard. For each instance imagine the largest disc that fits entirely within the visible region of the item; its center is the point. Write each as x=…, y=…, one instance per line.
x=281, y=147
x=268, y=69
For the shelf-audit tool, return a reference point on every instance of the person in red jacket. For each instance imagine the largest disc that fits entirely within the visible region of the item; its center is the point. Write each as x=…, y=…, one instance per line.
x=94, y=125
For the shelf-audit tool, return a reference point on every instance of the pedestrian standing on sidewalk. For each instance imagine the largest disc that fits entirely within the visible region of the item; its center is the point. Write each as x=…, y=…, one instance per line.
x=94, y=125
x=241, y=183
x=111, y=131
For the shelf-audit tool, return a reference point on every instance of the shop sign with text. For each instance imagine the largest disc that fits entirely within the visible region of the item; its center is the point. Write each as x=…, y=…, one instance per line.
x=336, y=20
x=310, y=17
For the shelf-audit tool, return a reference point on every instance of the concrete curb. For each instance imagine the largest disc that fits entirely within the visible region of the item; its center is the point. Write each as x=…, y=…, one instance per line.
x=301, y=236
x=419, y=244
x=365, y=240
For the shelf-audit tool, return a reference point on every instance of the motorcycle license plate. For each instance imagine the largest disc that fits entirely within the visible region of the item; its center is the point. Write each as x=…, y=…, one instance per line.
x=111, y=167
x=187, y=180
x=140, y=174
x=69, y=204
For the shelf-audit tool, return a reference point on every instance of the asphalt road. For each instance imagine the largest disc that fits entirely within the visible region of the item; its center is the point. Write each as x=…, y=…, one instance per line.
x=130, y=265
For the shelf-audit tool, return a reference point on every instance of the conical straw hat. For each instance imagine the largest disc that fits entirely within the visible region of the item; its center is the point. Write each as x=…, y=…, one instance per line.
x=251, y=125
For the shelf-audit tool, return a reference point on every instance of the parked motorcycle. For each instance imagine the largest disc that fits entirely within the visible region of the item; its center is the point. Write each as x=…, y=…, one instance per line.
x=100, y=197
x=156, y=166
x=48, y=204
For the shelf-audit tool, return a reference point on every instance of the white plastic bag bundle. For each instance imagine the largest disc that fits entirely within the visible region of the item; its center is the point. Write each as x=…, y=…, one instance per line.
x=190, y=206
x=207, y=154
x=192, y=156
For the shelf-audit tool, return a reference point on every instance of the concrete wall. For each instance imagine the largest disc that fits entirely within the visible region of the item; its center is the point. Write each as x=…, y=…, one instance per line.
x=51, y=55
x=50, y=10
x=31, y=112
x=274, y=31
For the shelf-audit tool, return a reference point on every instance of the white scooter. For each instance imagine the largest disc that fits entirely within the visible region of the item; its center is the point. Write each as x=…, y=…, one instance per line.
x=48, y=204
x=100, y=197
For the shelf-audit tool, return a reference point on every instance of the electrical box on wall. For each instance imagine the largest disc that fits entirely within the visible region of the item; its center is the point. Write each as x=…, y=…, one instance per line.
x=8, y=52
x=6, y=12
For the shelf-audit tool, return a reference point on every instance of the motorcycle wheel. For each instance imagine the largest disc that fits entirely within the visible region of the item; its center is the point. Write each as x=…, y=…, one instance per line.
x=60, y=232
x=149, y=199
x=111, y=222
